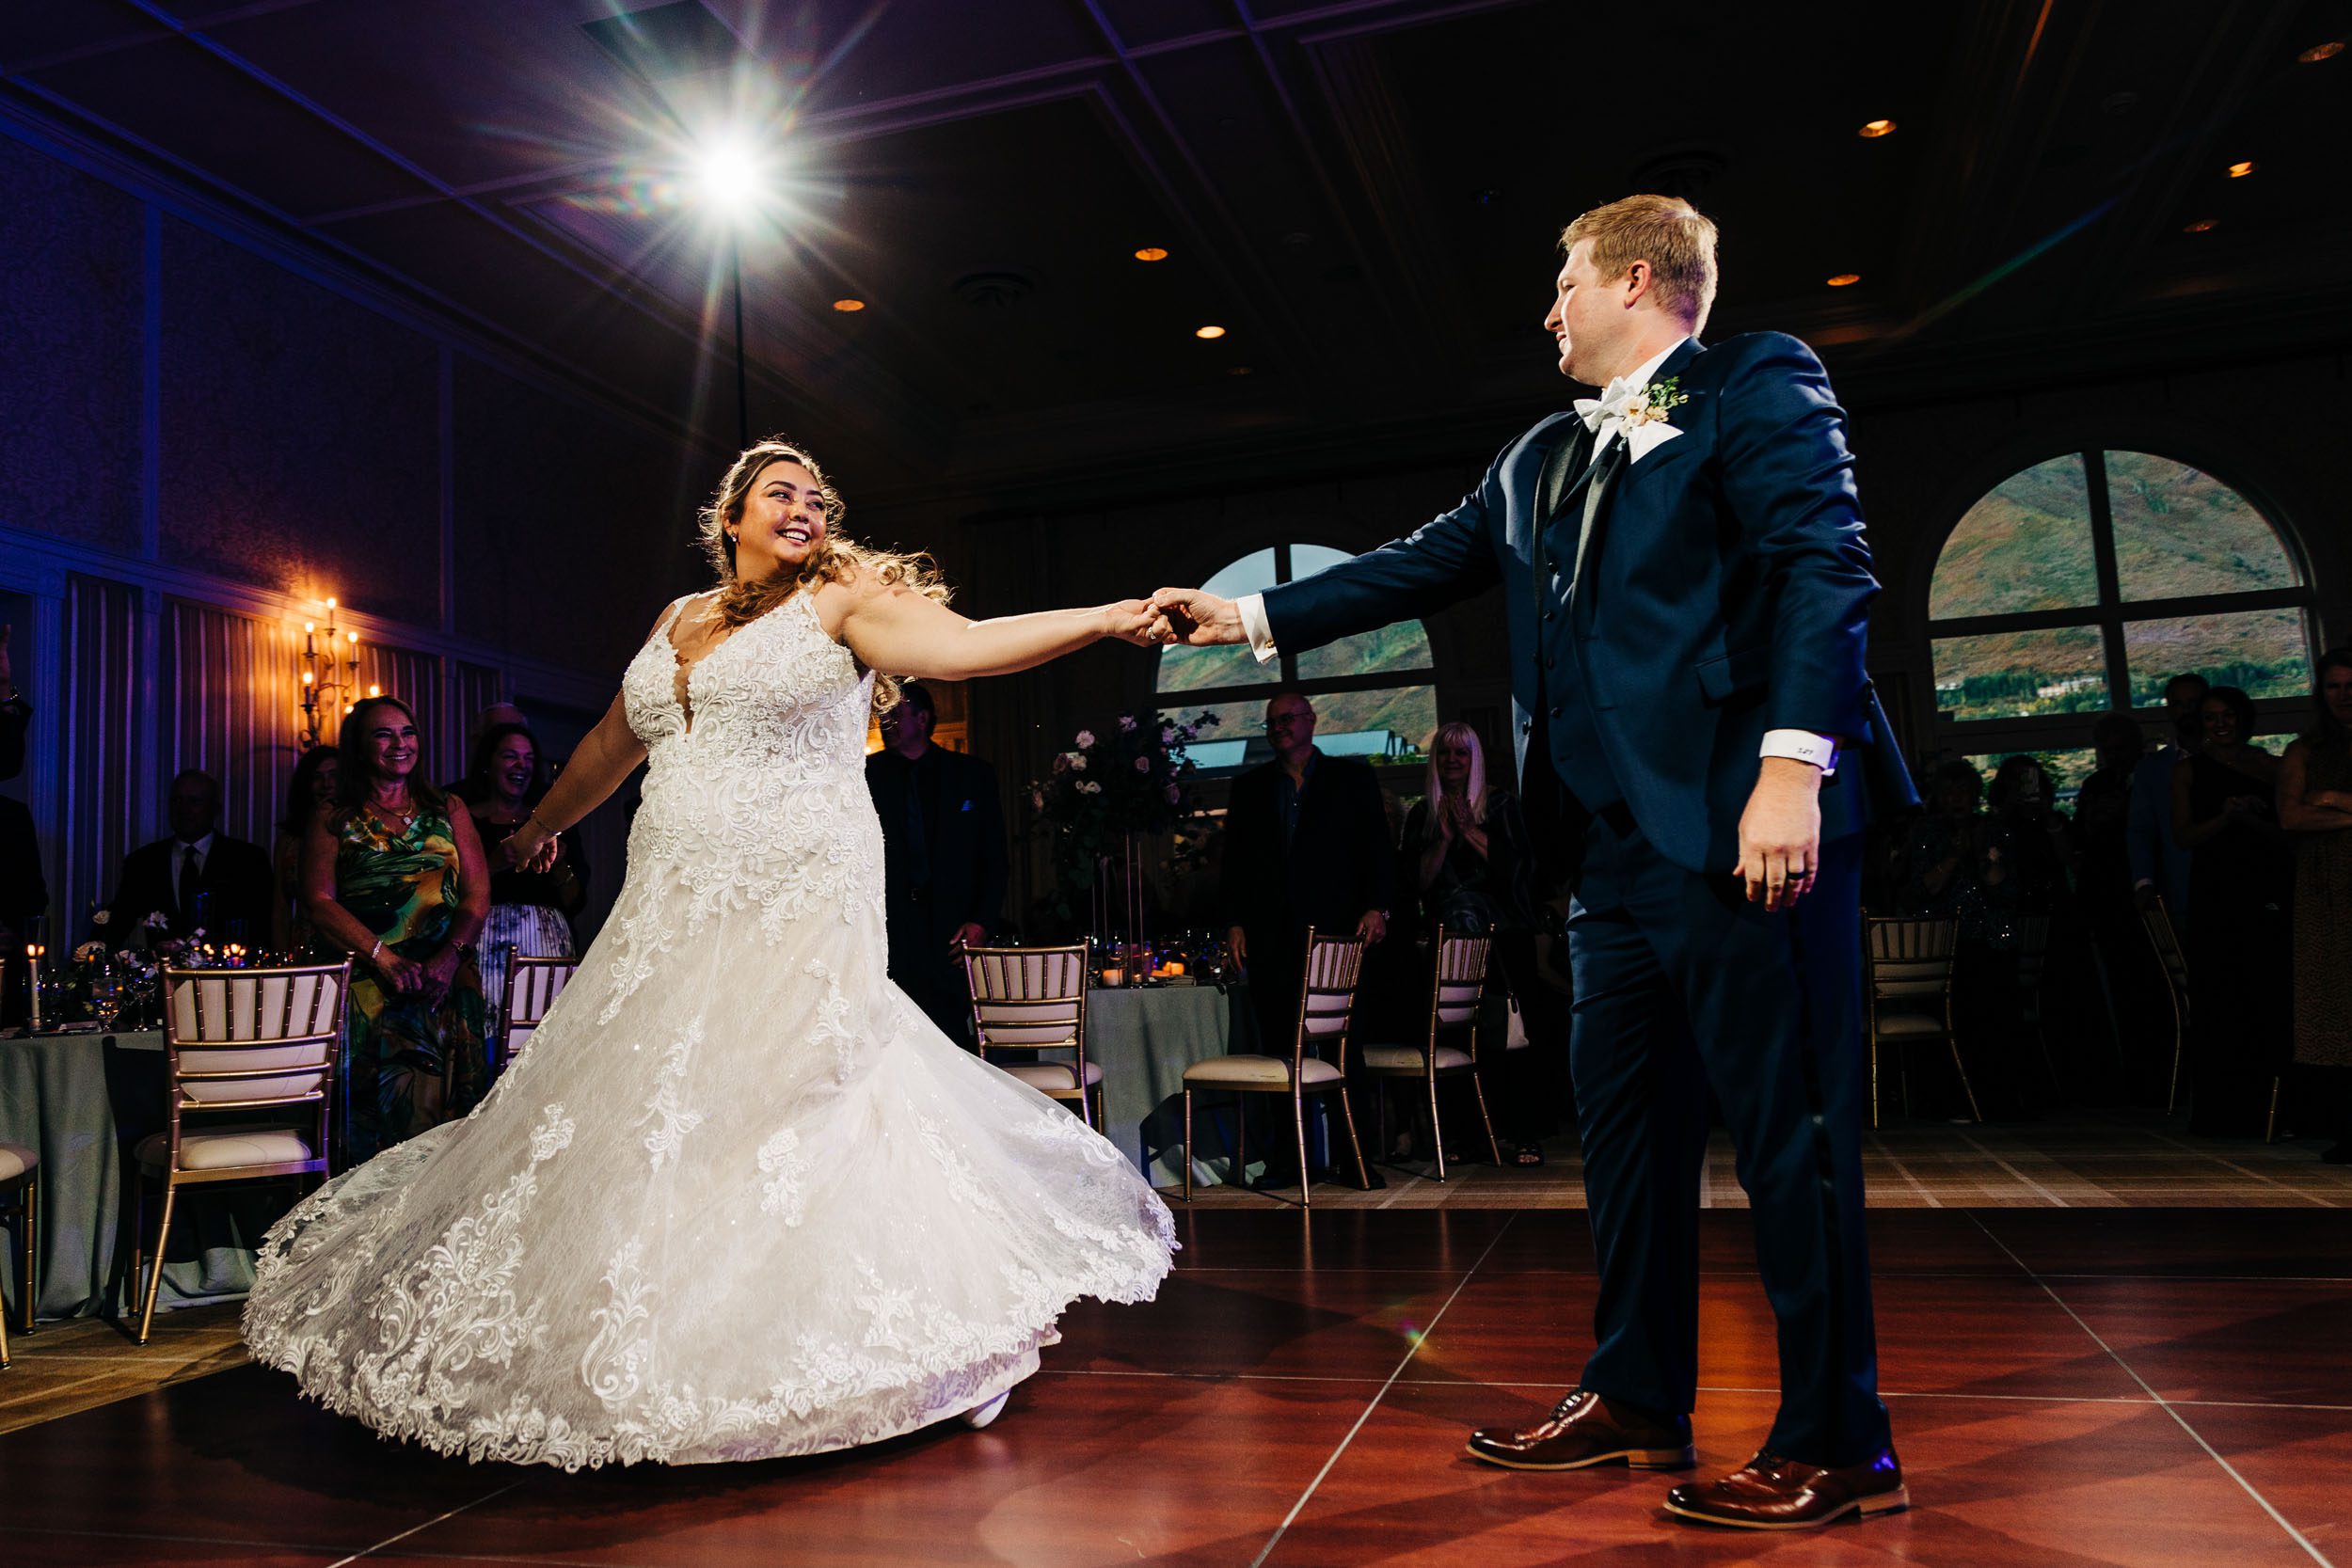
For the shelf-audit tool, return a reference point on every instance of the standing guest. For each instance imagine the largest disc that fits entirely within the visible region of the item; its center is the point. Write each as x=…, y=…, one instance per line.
x=530, y=905
x=16, y=714
x=199, y=877
x=1467, y=846
x=1938, y=879
x=1306, y=844
x=2240, y=893
x=23, y=894
x=473, y=789
x=942, y=858
x=2315, y=807
x=312, y=787
x=2160, y=864
x=2024, y=868
x=394, y=874
x=2134, y=986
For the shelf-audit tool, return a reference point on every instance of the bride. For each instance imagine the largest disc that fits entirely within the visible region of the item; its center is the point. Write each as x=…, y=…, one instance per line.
x=737, y=1198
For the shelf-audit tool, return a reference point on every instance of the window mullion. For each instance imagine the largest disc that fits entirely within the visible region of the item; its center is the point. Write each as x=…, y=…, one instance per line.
x=2111, y=591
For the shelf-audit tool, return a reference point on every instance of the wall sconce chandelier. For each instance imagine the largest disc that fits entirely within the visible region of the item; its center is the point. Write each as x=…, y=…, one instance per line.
x=330, y=676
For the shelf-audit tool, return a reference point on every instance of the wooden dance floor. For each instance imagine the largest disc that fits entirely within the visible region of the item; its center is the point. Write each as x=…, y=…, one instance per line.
x=2069, y=1386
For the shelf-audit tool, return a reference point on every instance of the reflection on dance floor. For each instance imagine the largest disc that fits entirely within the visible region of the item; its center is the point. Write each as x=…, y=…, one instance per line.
x=2087, y=1386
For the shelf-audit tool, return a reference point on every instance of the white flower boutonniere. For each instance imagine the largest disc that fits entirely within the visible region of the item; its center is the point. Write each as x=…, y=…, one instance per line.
x=1646, y=418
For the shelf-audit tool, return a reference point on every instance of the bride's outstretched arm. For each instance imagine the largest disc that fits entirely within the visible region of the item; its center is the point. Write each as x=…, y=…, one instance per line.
x=609, y=753
x=901, y=632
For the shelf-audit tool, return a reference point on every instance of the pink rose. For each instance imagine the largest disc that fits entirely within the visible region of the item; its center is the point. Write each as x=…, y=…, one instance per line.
x=1143, y=765
x=1086, y=738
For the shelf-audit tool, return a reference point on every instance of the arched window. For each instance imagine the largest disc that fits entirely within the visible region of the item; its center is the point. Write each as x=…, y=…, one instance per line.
x=1372, y=693
x=2087, y=581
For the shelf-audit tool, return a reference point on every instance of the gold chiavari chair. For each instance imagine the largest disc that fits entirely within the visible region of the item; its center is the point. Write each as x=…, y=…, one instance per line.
x=1458, y=990
x=1327, y=1011
x=20, y=1190
x=1034, y=999
x=2166, y=939
x=531, y=987
x=242, y=1044
x=1910, y=994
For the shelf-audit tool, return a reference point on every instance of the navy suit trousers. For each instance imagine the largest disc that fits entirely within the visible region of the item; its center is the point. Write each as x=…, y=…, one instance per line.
x=1682, y=985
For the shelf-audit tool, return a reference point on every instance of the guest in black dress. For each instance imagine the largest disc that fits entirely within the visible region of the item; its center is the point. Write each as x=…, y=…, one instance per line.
x=530, y=906
x=1466, y=847
x=310, y=791
x=2315, y=807
x=2238, y=941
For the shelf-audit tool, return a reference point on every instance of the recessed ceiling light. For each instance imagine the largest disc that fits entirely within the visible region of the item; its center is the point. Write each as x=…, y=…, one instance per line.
x=848, y=305
x=1843, y=279
x=2320, y=52
x=1151, y=253
x=2240, y=170
x=1239, y=370
x=1208, y=332
x=1876, y=128
x=2202, y=225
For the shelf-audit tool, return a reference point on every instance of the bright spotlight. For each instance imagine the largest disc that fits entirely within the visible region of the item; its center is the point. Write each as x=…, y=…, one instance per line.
x=728, y=178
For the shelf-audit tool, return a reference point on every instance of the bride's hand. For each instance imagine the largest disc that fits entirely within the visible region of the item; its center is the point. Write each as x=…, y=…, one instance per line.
x=1129, y=620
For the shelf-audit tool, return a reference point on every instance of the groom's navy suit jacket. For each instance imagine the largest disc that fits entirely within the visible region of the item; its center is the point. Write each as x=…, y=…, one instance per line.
x=1724, y=593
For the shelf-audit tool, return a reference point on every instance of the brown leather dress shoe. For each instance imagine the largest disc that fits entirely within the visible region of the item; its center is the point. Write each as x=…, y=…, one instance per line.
x=1584, y=1429
x=1772, y=1493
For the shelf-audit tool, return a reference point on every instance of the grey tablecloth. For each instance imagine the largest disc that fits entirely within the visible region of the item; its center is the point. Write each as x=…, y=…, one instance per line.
x=82, y=1101
x=1144, y=1039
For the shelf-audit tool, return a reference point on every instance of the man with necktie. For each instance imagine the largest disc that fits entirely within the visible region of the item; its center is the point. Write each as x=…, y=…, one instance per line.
x=943, y=862
x=1683, y=570
x=198, y=878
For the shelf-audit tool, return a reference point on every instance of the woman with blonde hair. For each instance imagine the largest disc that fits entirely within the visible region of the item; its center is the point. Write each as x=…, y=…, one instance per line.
x=1475, y=872
x=738, y=1198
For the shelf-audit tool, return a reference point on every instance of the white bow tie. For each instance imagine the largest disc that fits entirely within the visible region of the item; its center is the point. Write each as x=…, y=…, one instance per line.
x=1616, y=401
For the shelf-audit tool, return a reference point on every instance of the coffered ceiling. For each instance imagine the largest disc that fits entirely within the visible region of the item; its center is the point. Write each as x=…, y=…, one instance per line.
x=1362, y=192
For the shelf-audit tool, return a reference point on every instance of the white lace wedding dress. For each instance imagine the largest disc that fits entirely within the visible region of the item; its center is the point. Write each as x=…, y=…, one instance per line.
x=737, y=1198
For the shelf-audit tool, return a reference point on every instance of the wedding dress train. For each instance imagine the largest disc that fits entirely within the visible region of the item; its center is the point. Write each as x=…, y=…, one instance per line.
x=737, y=1198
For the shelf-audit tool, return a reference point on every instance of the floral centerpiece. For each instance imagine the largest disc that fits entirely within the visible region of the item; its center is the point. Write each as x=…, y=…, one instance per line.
x=1129, y=781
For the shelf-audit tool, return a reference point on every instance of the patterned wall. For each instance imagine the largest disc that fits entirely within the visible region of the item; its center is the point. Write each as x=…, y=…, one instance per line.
x=103, y=770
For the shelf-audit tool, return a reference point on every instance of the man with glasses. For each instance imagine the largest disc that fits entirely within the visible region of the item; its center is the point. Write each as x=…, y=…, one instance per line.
x=1306, y=844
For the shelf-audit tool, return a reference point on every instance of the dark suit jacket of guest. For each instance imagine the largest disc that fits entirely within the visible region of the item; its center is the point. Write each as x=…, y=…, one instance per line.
x=16, y=716
x=236, y=875
x=24, y=891
x=1732, y=561
x=1338, y=864
x=966, y=830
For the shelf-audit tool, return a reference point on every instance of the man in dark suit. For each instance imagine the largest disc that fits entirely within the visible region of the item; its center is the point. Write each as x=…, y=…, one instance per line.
x=942, y=859
x=16, y=714
x=198, y=877
x=1682, y=564
x=23, y=894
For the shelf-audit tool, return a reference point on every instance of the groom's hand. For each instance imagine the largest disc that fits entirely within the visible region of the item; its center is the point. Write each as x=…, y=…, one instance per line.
x=1196, y=619
x=1780, y=833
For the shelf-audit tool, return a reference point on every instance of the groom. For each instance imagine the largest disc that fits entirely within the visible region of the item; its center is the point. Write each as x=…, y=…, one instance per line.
x=1682, y=564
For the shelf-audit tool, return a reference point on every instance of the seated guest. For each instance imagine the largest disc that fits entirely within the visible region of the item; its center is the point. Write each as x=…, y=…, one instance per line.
x=311, y=788
x=2160, y=867
x=2225, y=814
x=473, y=790
x=530, y=905
x=943, y=862
x=2315, y=808
x=1474, y=872
x=394, y=874
x=198, y=879
x=16, y=714
x=1306, y=844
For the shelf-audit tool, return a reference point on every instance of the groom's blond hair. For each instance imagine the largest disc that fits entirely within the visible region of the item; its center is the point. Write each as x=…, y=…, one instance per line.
x=1673, y=237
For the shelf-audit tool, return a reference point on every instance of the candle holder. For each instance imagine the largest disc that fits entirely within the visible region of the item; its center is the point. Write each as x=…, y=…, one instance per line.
x=33, y=950
x=331, y=675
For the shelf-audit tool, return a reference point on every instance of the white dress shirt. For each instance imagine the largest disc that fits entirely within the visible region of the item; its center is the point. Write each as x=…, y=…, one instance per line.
x=1802, y=744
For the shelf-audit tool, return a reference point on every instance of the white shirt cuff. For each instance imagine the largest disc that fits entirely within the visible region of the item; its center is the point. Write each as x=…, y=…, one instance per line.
x=1802, y=744
x=1253, y=626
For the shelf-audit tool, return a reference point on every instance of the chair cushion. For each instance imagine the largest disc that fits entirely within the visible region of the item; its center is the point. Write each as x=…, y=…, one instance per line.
x=15, y=1160
x=1406, y=1058
x=221, y=1148
x=1050, y=1077
x=1902, y=1025
x=1260, y=1071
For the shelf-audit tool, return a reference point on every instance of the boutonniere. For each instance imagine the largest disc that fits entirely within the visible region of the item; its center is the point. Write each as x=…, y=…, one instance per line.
x=1654, y=402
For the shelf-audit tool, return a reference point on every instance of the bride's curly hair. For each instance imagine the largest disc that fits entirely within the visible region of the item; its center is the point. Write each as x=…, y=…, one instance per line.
x=836, y=558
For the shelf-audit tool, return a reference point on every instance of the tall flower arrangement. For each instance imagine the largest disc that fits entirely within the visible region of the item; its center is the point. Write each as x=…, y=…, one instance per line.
x=1129, y=780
